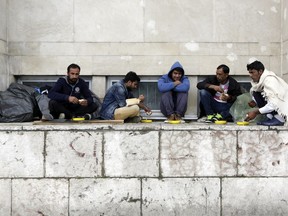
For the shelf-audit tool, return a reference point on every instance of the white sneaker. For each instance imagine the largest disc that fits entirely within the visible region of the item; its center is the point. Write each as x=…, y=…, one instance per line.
x=62, y=116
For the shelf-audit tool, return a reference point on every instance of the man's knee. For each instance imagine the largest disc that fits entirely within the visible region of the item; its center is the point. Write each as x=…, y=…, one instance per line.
x=204, y=92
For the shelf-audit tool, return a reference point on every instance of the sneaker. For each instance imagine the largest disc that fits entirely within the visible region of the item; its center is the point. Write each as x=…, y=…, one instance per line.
x=47, y=117
x=217, y=117
x=61, y=116
x=209, y=119
x=271, y=122
x=135, y=119
x=87, y=116
x=171, y=117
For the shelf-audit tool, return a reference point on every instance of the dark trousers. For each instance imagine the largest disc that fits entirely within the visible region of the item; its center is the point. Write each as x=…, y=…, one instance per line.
x=70, y=110
x=174, y=102
x=212, y=106
x=261, y=102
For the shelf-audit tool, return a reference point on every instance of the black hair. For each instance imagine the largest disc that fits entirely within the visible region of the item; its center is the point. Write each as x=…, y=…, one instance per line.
x=131, y=76
x=73, y=66
x=256, y=65
x=224, y=67
x=178, y=69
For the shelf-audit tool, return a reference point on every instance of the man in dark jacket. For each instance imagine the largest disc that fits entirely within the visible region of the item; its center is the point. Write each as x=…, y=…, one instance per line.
x=218, y=93
x=174, y=87
x=71, y=96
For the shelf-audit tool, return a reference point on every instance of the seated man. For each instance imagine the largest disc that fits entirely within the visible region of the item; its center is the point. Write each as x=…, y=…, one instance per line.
x=270, y=94
x=217, y=94
x=71, y=96
x=174, y=87
x=114, y=105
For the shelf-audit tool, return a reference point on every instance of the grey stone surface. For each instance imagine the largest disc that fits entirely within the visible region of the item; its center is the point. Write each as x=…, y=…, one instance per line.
x=122, y=23
x=198, y=153
x=5, y=198
x=132, y=153
x=250, y=17
x=33, y=197
x=105, y=197
x=262, y=153
x=21, y=154
x=31, y=20
x=73, y=154
x=188, y=13
x=175, y=196
x=254, y=196
x=3, y=24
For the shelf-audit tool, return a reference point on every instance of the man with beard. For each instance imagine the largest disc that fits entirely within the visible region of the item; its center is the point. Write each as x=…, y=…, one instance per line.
x=269, y=93
x=218, y=93
x=71, y=96
x=115, y=104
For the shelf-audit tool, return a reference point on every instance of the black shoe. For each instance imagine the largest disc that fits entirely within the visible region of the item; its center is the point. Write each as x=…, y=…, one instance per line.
x=135, y=119
x=87, y=116
x=271, y=122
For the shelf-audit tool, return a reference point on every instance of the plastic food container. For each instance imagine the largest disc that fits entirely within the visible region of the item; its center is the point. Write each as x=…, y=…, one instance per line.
x=243, y=123
x=174, y=121
x=220, y=122
x=78, y=119
x=146, y=121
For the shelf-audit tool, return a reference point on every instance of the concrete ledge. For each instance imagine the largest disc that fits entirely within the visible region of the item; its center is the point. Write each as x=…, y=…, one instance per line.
x=143, y=169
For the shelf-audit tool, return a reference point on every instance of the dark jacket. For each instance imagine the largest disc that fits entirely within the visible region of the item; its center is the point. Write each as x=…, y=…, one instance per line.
x=62, y=90
x=234, y=88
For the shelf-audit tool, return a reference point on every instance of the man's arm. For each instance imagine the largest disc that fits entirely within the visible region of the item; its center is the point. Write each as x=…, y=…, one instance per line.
x=56, y=92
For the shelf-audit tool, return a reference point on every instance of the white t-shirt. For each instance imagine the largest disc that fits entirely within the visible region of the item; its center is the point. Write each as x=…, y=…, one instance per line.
x=218, y=94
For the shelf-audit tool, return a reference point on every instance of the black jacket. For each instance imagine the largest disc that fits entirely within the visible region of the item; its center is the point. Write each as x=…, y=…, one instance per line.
x=234, y=88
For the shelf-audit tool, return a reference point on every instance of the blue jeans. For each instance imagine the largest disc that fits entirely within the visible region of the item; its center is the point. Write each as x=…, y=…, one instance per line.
x=212, y=106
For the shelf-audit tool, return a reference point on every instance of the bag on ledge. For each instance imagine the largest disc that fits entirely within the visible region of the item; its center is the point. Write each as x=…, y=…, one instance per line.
x=18, y=103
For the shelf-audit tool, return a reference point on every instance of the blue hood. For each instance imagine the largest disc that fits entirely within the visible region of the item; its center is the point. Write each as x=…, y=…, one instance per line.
x=174, y=66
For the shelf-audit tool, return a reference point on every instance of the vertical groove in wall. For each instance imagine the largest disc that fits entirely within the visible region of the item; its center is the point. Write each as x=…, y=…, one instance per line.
x=44, y=154
x=221, y=213
x=68, y=205
x=281, y=38
x=73, y=25
x=159, y=152
x=103, y=157
x=11, y=198
x=141, y=196
x=143, y=6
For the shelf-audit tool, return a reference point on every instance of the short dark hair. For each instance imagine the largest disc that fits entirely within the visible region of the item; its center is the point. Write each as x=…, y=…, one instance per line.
x=224, y=67
x=256, y=65
x=131, y=76
x=73, y=66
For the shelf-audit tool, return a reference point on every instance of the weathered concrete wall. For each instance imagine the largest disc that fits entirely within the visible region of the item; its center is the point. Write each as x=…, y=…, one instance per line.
x=285, y=40
x=3, y=46
x=114, y=37
x=143, y=169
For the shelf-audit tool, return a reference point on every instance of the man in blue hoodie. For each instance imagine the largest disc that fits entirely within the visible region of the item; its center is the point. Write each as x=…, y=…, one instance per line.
x=71, y=96
x=174, y=87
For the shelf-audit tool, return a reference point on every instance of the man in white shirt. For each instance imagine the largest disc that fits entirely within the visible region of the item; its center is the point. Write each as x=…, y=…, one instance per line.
x=270, y=94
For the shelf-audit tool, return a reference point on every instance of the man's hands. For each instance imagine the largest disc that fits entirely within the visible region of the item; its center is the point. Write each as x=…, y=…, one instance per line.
x=251, y=115
x=177, y=82
x=74, y=100
x=216, y=88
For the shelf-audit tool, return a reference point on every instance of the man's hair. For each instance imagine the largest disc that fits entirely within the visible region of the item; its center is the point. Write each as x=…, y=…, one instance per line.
x=256, y=65
x=131, y=76
x=224, y=67
x=73, y=66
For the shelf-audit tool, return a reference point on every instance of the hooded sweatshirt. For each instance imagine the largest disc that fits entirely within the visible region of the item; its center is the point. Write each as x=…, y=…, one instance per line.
x=165, y=83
